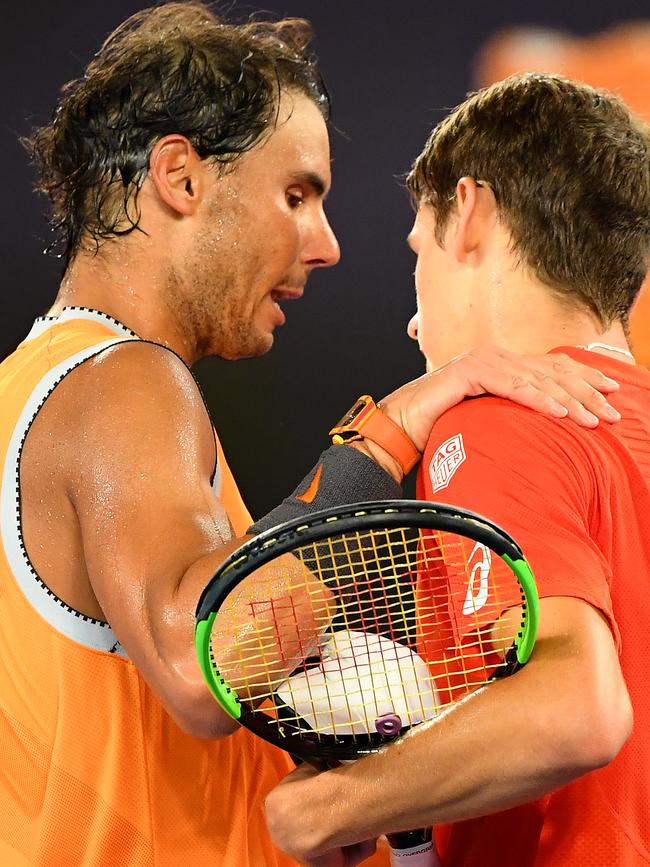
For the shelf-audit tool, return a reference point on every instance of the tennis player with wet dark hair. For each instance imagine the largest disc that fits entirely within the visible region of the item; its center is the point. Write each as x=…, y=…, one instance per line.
x=532, y=231
x=187, y=170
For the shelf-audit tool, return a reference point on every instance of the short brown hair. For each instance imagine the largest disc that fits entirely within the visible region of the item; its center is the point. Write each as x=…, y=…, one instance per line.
x=175, y=68
x=570, y=170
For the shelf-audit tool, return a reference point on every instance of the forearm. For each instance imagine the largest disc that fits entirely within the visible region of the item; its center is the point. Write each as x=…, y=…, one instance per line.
x=257, y=608
x=168, y=659
x=479, y=759
x=515, y=740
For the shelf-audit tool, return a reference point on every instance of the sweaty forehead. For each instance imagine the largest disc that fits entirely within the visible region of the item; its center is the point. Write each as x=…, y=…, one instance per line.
x=300, y=139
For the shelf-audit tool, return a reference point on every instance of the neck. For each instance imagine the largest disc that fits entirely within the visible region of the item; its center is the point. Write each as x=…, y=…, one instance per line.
x=526, y=317
x=129, y=291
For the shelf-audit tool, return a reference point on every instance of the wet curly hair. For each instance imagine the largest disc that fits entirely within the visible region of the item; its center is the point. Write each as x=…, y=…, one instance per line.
x=176, y=68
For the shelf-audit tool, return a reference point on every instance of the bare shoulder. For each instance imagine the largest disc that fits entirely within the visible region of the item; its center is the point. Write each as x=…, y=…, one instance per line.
x=136, y=371
x=132, y=397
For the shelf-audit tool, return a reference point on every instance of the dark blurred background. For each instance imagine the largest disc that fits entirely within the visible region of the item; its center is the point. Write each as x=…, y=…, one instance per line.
x=393, y=70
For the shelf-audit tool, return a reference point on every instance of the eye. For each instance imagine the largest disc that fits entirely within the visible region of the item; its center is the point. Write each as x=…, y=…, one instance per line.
x=295, y=197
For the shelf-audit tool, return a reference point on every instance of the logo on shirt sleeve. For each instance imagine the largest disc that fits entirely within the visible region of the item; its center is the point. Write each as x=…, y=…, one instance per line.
x=448, y=457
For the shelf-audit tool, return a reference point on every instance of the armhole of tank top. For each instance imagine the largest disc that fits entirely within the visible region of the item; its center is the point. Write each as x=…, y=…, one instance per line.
x=85, y=630
x=216, y=473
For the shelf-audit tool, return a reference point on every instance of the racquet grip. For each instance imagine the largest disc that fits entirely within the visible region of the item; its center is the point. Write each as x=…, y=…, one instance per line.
x=421, y=855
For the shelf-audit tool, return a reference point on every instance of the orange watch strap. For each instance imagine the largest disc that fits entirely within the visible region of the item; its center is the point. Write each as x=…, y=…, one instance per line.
x=367, y=421
x=390, y=436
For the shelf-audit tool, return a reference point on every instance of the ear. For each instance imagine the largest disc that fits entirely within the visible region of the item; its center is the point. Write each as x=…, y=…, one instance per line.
x=475, y=214
x=176, y=172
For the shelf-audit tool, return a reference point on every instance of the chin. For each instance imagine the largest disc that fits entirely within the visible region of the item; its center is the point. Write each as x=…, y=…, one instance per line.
x=263, y=343
x=261, y=349
x=255, y=346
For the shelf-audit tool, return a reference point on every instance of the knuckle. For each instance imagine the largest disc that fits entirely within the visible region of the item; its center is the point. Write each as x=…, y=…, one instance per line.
x=574, y=403
x=586, y=392
x=594, y=394
x=519, y=382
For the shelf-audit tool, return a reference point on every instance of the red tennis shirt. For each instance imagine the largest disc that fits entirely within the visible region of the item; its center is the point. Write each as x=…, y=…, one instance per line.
x=578, y=502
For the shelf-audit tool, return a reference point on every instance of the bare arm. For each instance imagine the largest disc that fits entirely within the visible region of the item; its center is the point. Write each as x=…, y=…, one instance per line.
x=566, y=713
x=138, y=472
x=139, y=466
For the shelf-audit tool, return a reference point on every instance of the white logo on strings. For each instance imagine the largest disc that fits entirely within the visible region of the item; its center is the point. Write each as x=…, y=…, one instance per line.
x=479, y=569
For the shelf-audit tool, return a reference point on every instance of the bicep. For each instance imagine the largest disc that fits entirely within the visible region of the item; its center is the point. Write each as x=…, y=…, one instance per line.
x=574, y=640
x=138, y=544
x=575, y=668
x=139, y=479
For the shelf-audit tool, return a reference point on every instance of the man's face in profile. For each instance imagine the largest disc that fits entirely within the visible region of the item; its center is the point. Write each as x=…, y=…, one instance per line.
x=263, y=231
x=440, y=322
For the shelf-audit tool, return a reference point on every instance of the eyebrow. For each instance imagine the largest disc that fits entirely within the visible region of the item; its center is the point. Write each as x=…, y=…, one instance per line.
x=313, y=180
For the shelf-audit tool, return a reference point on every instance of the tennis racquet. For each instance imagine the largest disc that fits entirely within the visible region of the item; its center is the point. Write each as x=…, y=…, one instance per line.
x=332, y=635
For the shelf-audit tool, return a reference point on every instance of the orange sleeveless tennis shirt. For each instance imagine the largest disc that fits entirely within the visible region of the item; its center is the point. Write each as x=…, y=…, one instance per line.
x=93, y=771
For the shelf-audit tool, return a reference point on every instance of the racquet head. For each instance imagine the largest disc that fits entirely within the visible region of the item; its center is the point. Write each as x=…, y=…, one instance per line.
x=331, y=635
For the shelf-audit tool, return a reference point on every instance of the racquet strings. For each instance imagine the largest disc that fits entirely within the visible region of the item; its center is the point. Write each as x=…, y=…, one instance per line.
x=362, y=625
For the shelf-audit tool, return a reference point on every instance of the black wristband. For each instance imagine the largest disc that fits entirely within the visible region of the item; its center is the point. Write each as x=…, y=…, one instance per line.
x=342, y=475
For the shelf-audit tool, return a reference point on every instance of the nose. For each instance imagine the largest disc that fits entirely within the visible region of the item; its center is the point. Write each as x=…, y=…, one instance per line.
x=321, y=249
x=412, y=327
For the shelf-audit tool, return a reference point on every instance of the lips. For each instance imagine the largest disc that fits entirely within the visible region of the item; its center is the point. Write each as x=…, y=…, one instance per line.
x=281, y=294
x=286, y=293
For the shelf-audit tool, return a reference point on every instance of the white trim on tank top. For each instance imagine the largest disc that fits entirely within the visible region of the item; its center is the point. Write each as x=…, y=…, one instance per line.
x=81, y=628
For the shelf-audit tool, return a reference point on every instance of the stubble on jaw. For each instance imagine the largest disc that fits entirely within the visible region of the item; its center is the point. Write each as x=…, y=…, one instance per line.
x=209, y=294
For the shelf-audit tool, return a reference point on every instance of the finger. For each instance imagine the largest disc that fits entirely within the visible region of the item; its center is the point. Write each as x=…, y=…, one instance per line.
x=504, y=375
x=559, y=366
x=551, y=399
x=572, y=391
x=567, y=383
x=564, y=365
